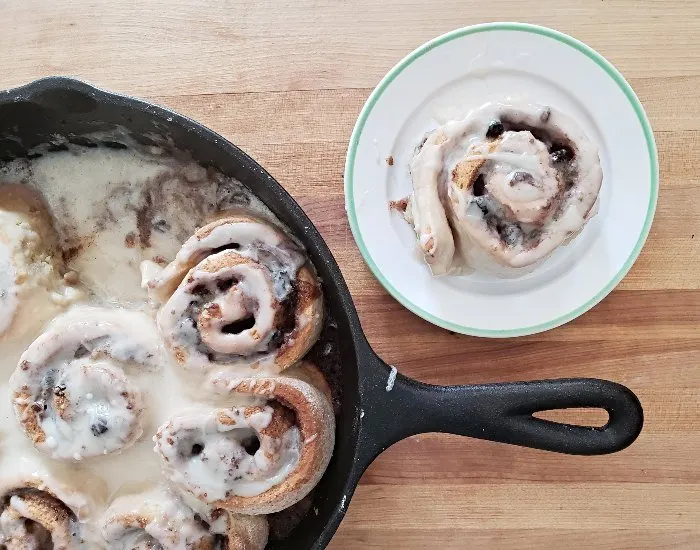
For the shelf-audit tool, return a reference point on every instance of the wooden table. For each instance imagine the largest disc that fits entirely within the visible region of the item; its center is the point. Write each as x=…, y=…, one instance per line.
x=285, y=80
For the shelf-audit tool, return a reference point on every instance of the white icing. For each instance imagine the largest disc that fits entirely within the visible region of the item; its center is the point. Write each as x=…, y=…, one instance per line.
x=154, y=519
x=249, y=236
x=150, y=271
x=523, y=187
x=252, y=296
x=8, y=290
x=93, y=195
x=85, y=406
x=97, y=193
x=222, y=467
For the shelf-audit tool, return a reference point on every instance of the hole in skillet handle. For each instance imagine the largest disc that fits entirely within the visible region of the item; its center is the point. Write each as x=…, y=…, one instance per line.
x=580, y=416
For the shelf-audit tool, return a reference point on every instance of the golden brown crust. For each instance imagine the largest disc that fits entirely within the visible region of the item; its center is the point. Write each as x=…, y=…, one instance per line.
x=282, y=420
x=244, y=532
x=214, y=264
x=313, y=416
x=465, y=173
x=226, y=218
x=311, y=374
x=308, y=316
x=30, y=422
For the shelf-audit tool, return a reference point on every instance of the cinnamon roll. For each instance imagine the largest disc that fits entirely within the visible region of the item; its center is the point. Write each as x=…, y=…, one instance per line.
x=307, y=372
x=32, y=288
x=158, y=519
x=34, y=516
x=70, y=391
x=509, y=183
x=240, y=293
x=253, y=460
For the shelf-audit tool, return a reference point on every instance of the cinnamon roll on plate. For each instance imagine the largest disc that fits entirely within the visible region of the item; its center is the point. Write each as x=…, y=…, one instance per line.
x=525, y=167
x=510, y=183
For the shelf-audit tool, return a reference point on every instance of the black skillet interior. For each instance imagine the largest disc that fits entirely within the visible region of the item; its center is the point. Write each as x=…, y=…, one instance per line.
x=372, y=414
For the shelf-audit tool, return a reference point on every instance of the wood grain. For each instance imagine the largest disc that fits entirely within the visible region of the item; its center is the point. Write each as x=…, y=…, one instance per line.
x=285, y=80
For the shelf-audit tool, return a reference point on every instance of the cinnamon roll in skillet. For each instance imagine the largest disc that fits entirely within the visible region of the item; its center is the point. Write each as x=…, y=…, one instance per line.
x=257, y=459
x=239, y=294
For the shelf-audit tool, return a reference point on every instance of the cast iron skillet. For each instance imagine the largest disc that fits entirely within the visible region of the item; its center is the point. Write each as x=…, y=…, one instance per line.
x=371, y=418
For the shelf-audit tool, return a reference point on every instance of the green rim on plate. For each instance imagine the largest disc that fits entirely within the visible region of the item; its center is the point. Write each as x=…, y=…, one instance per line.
x=459, y=33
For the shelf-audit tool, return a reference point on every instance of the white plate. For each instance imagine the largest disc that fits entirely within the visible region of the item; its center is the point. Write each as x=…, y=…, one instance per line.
x=444, y=79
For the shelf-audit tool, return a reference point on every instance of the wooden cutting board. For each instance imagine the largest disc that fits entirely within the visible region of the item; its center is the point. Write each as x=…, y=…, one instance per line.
x=285, y=81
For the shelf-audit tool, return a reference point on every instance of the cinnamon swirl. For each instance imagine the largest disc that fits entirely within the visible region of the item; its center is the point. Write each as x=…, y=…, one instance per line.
x=70, y=391
x=240, y=293
x=253, y=460
x=509, y=183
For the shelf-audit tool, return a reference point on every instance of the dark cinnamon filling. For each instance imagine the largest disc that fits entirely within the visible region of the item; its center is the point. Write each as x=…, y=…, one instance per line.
x=479, y=187
x=239, y=326
x=81, y=351
x=285, y=321
x=46, y=392
x=562, y=155
x=495, y=129
x=40, y=535
x=251, y=444
x=510, y=233
x=230, y=246
x=552, y=143
x=226, y=284
x=99, y=427
x=400, y=205
x=197, y=449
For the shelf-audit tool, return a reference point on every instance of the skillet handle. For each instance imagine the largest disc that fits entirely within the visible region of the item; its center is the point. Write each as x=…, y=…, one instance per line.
x=498, y=412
